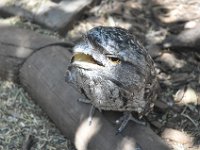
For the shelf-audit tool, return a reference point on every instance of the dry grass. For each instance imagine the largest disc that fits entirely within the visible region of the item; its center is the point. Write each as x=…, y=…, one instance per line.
x=20, y=117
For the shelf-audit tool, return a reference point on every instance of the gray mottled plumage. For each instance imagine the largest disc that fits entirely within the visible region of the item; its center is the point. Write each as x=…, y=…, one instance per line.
x=114, y=71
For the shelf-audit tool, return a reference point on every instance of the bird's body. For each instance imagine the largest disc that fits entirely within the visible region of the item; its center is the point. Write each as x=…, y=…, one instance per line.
x=113, y=71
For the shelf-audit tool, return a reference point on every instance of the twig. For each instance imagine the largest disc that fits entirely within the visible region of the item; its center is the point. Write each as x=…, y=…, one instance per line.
x=188, y=117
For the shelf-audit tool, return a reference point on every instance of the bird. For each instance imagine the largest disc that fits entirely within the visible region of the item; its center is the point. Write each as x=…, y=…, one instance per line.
x=114, y=72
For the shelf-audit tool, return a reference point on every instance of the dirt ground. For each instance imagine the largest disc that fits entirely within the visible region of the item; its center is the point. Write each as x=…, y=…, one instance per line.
x=176, y=117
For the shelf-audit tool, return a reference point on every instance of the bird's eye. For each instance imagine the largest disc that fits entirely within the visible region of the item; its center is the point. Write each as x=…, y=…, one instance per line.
x=114, y=60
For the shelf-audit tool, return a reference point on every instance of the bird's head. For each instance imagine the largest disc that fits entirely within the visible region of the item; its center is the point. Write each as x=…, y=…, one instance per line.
x=111, y=52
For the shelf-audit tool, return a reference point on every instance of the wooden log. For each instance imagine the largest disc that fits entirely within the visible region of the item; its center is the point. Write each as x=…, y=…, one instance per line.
x=43, y=77
x=16, y=45
x=42, y=74
x=58, y=16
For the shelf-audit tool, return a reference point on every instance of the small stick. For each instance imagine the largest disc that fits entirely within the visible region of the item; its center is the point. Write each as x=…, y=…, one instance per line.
x=188, y=117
